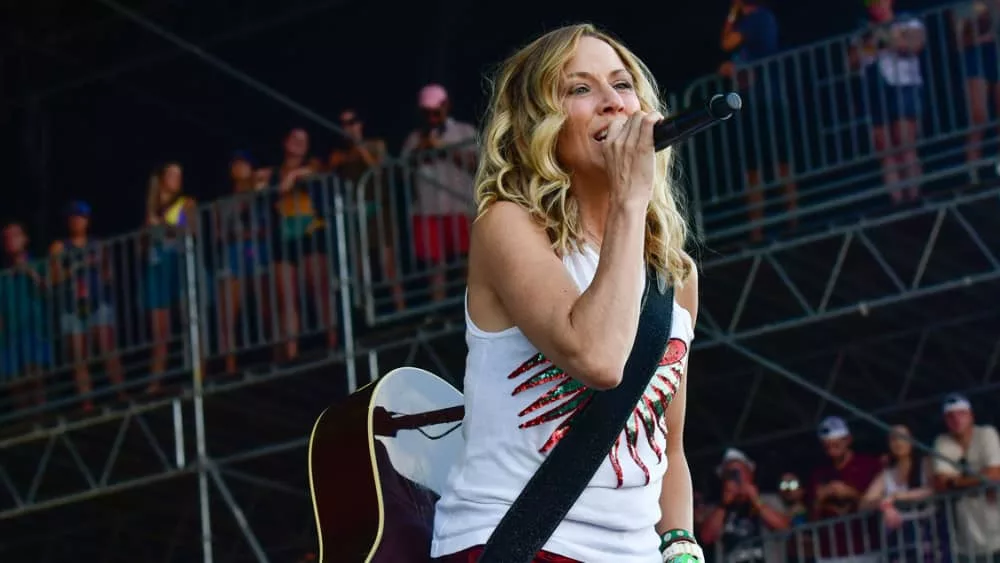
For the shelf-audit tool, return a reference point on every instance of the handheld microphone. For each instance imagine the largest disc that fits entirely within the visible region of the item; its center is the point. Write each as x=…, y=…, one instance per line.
x=679, y=127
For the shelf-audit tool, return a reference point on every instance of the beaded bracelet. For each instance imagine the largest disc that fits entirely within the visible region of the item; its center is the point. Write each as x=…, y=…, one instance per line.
x=683, y=552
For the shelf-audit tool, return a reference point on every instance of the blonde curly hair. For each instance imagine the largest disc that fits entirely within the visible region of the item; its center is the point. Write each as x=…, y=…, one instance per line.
x=518, y=149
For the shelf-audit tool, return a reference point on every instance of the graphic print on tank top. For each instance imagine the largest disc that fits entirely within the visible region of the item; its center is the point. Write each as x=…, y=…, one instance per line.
x=567, y=396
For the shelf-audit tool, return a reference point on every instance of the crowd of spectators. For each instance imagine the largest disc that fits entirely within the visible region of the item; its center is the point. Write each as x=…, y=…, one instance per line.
x=898, y=506
x=878, y=84
x=273, y=240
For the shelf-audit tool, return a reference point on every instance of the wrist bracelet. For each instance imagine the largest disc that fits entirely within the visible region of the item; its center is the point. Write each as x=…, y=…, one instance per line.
x=674, y=537
x=683, y=551
x=677, y=534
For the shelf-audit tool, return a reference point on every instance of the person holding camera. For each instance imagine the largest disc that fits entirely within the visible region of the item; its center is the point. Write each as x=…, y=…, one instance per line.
x=743, y=513
x=444, y=157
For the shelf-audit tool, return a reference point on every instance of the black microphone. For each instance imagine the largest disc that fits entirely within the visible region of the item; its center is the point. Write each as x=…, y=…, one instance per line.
x=679, y=127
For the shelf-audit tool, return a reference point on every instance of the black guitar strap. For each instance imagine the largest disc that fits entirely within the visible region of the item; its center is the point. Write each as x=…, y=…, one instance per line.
x=572, y=463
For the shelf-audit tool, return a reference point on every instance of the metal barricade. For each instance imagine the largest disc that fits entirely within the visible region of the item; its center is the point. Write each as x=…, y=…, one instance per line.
x=91, y=321
x=414, y=214
x=264, y=275
x=819, y=138
x=272, y=273
x=942, y=528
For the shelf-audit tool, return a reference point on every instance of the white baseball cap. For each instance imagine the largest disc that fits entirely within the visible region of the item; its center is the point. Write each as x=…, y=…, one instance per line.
x=733, y=454
x=832, y=428
x=956, y=402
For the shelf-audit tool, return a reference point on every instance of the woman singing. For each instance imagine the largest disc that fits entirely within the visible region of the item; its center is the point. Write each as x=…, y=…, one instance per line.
x=573, y=204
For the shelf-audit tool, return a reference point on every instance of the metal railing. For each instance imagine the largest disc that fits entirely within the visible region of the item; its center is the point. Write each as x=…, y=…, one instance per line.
x=81, y=308
x=819, y=139
x=394, y=244
x=251, y=274
x=258, y=277
x=413, y=216
x=941, y=528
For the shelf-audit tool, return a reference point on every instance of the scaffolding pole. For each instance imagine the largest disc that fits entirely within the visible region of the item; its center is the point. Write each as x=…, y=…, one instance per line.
x=197, y=379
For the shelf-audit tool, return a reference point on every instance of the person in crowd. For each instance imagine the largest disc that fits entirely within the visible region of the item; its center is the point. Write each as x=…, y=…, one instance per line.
x=303, y=244
x=895, y=492
x=242, y=223
x=743, y=513
x=968, y=463
x=792, y=493
x=976, y=35
x=799, y=545
x=835, y=491
x=25, y=345
x=84, y=291
x=445, y=158
x=750, y=37
x=890, y=60
x=357, y=157
x=170, y=216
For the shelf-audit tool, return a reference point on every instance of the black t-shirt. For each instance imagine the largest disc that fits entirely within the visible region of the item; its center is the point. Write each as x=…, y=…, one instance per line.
x=741, y=535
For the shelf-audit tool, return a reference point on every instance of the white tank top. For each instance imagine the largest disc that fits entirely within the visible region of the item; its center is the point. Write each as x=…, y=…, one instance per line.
x=517, y=407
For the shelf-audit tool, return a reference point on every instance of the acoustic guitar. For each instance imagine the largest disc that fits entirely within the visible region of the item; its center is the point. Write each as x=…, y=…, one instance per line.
x=377, y=464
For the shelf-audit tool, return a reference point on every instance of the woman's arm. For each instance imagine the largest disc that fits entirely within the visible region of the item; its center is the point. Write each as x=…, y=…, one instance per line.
x=913, y=495
x=676, y=492
x=873, y=496
x=925, y=489
x=56, y=274
x=515, y=279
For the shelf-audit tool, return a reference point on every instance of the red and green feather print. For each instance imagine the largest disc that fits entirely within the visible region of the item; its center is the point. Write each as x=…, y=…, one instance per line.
x=567, y=396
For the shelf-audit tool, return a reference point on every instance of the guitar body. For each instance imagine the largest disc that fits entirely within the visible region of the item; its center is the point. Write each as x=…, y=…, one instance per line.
x=377, y=464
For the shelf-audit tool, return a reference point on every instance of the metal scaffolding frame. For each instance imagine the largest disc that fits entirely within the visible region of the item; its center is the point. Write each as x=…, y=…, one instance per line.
x=863, y=298
x=147, y=448
x=122, y=454
x=153, y=446
x=852, y=269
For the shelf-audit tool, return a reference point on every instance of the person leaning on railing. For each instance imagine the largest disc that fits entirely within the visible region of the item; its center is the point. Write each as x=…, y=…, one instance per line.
x=357, y=160
x=442, y=151
x=169, y=216
x=835, y=489
x=301, y=242
x=976, y=449
x=895, y=493
x=975, y=26
x=25, y=345
x=83, y=290
x=241, y=225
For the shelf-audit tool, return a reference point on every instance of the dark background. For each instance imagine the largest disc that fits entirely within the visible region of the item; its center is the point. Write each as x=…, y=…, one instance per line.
x=90, y=102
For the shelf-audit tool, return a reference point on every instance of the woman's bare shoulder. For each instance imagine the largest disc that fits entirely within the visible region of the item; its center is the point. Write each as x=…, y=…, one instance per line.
x=505, y=224
x=687, y=296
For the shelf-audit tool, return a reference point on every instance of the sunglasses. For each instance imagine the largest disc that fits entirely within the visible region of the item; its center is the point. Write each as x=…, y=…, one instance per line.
x=790, y=485
x=349, y=121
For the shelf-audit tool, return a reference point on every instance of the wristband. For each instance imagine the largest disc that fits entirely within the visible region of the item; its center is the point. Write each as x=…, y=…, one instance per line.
x=675, y=535
x=680, y=546
x=683, y=551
